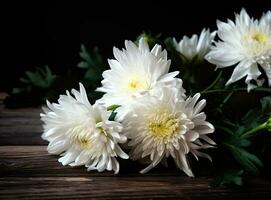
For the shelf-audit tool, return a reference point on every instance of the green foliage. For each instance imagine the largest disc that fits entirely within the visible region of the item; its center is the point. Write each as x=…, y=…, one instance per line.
x=113, y=107
x=35, y=87
x=92, y=63
x=249, y=161
x=238, y=141
x=112, y=116
x=268, y=125
x=229, y=177
x=41, y=78
x=93, y=66
x=255, y=117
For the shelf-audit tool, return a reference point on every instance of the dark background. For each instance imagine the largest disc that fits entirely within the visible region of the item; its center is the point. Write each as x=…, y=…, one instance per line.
x=51, y=33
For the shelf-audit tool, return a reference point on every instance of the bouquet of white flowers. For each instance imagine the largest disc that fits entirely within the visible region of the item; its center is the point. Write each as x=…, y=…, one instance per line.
x=149, y=112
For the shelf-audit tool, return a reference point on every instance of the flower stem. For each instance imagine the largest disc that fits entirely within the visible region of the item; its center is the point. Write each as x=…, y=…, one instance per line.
x=254, y=130
x=262, y=89
x=226, y=99
x=213, y=83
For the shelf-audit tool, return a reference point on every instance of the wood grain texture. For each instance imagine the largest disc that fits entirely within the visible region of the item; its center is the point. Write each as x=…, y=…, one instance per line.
x=20, y=126
x=27, y=171
x=24, y=161
x=124, y=188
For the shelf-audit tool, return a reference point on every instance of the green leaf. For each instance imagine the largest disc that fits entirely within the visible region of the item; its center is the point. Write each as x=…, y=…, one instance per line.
x=18, y=90
x=41, y=78
x=93, y=64
x=237, y=141
x=266, y=104
x=83, y=64
x=236, y=138
x=24, y=80
x=113, y=107
x=112, y=116
x=257, y=116
x=228, y=177
x=169, y=43
x=90, y=60
x=35, y=87
x=249, y=161
x=87, y=61
x=92, y=75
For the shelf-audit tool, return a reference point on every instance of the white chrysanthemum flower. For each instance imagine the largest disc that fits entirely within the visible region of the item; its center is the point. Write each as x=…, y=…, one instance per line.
x=195, y=47
x=82, y=133
x=246, y=42
x=136, y=71
x=166, y=125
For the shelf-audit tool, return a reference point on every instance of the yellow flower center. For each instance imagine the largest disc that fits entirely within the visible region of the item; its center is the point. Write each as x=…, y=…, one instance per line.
x=80, y=136
x=257, y=44
x=138, y=83
x=133, y=84
x=259, y=37
x=84, y=142
x=163, y=125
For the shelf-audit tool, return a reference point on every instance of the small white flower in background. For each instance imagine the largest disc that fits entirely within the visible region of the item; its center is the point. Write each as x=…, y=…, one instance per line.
x=195, y=47
x=246, y=42
x=82, y=133
x=135, y=71
x=165, y=125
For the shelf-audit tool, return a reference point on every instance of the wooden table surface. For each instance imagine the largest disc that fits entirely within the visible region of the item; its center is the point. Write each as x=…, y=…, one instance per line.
x=27, y=171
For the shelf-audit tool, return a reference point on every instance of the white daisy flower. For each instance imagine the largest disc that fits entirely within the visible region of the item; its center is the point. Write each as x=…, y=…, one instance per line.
x=246, y=42
x=195, y=47
x=165, y=125
x=82, y=133
x=136, y=71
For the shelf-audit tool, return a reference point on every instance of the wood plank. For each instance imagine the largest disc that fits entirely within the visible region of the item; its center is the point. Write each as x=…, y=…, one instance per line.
x=21, y=121
x=29, y=172
x=26, y=161
x=21, y=135
x=34, y=161
x=21, y=112
x=125, y=188
x=21, y=127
